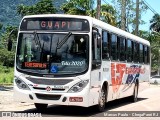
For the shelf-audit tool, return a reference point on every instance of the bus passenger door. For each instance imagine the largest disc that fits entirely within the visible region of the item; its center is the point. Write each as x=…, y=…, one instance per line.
x=96, y=64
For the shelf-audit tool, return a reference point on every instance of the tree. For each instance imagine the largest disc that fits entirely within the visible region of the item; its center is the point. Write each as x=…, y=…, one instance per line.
x=155, y=27
x=155, y=23
x=78, y=7
x=123, y=15
x=8, y=29
x=7, y=57
x=42, y=7
x=108, y=14
x=130, y=13
x=154, y=39
x=137, y=18
x=85, y=7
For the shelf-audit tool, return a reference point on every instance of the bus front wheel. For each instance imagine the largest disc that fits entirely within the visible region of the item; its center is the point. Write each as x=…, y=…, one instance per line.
x=102, y=100
x=40, y=107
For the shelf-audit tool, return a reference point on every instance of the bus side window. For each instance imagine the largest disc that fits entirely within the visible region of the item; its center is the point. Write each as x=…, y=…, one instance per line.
x=136, y=52
x=118, y=48
x=105, y=45
x=96, y=49
x=113, y=47
x=146, y=55
x=141, y=54
x=122, y=49
x=129, y=50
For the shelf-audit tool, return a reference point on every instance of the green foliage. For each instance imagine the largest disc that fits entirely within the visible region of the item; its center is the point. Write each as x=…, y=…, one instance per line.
x=78, y=7
x=130, y=13
x=9, y=14
x=1, y=25
x=155, y=23
x=6, y=36
x=144, y=34
x=85, y=7
x=8, y=29
x=6, y=74
x=108, y=14
x=154, y=39
x=42, y=7
x=7, y=57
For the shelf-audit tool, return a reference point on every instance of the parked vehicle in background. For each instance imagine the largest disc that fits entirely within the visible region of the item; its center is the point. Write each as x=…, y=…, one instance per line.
x=155, y=79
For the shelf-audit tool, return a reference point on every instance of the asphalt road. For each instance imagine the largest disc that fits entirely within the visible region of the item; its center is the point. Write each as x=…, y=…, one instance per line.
x=148, y=100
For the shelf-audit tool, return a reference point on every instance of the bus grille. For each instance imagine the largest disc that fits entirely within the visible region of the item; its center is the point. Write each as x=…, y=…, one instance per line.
x=47, y=96
x=48, y=81
x=39, y=88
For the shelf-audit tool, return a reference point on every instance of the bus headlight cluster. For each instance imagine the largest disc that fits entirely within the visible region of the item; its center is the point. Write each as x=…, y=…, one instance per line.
x=21, y=84
x=79, y=86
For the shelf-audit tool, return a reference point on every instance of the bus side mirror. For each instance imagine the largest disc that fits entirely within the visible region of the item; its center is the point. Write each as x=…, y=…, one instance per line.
x=10, y=42
x=9, y=45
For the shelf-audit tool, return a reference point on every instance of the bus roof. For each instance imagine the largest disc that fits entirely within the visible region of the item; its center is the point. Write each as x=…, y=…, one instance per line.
x=118, y=31
x=97, y=23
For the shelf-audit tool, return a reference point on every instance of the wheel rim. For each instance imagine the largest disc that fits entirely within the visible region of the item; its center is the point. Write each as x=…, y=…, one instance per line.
x=102, y=99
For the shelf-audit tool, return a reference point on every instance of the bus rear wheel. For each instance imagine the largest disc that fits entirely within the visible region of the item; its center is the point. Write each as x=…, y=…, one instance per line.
x=102, y=100
x=40, y=107
x=134, y=97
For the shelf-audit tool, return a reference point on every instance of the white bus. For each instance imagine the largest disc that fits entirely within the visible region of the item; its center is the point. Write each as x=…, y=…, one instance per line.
x=77, y=61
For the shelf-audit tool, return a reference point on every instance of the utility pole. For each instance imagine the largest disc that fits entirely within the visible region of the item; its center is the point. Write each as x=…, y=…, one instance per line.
x=137, y=17
x=123, y=15
x=98, y=9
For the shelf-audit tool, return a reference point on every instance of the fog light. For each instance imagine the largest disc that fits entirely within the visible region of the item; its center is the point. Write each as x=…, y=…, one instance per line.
x=64, y=99
x=30, y=96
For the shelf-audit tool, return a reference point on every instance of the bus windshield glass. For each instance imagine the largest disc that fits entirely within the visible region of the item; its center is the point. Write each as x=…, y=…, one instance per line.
x=52, y=53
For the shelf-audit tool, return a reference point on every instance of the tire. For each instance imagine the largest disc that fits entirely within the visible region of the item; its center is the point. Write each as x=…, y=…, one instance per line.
x=102, y=100
x=40, y=107
x=134, y=97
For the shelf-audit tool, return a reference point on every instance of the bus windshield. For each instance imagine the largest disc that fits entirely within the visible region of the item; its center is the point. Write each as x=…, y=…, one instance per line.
x=52, y=53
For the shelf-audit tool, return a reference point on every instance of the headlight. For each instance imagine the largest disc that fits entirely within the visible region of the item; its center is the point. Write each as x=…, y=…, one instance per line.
x=21, y=84
x=79, y=86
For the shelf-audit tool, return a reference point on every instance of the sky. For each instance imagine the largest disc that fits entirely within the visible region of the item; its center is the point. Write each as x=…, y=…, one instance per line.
x=146, y=16
x=149, y=14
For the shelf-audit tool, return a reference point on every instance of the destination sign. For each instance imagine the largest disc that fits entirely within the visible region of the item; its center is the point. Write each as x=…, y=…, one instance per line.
x=60, y=24
x=35, y=65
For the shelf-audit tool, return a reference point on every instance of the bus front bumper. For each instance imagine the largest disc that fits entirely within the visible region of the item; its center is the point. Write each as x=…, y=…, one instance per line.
x=73, y=99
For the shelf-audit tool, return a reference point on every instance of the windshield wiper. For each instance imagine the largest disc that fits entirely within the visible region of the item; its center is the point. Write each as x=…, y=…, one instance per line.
x=36, y=38
x=37, y=41
x=63, y=40
x=41, y=60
